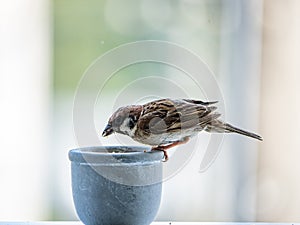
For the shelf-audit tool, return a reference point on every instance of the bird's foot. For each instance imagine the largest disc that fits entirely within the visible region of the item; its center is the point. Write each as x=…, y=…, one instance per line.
x=164, y=148
x=161, y=148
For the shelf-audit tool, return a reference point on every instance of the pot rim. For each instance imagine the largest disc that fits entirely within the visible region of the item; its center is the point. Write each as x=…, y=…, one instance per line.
x=114, y=155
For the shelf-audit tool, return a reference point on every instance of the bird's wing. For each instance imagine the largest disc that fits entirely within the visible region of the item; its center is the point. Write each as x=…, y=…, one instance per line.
x=199, y=102
x=168, y=115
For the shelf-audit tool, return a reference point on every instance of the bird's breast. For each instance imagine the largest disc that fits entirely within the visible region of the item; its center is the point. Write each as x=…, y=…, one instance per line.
x=164, y=138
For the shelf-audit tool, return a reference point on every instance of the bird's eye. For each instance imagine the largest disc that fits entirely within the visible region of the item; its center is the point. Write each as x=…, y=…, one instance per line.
x=118, y=121
x=131, y=123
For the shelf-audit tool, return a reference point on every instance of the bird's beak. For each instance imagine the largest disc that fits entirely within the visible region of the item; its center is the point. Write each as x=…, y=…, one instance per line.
x=108, y=130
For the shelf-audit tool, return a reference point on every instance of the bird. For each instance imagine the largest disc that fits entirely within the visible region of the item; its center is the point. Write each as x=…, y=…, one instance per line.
x=166, y=123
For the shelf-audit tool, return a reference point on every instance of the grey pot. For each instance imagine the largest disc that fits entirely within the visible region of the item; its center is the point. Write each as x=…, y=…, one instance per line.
x=116, y=185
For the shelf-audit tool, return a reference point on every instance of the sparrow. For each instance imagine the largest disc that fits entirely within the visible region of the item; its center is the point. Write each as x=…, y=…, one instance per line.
x=166, y=123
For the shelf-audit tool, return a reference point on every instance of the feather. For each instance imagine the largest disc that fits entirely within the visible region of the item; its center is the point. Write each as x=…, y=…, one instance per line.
x=167, y=115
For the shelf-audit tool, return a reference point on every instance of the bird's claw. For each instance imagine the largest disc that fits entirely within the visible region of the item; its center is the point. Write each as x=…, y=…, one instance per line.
x=166, y=157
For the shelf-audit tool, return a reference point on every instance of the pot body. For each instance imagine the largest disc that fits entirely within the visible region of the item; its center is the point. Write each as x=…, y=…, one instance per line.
x=116, y=185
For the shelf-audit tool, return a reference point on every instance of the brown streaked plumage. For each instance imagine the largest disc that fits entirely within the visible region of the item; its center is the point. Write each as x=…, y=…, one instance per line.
x=166, y=123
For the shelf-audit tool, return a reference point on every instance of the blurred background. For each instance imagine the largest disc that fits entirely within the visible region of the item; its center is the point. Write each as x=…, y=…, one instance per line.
x=252, y=47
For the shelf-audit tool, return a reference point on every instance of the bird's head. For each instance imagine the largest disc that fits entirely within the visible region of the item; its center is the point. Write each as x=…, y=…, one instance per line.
x=123, y=120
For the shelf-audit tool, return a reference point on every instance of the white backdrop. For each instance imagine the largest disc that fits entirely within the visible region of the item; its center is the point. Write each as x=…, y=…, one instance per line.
x=25, y=55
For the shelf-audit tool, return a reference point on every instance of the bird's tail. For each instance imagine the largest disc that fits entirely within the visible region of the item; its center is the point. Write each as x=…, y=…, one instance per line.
x=219, y=126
